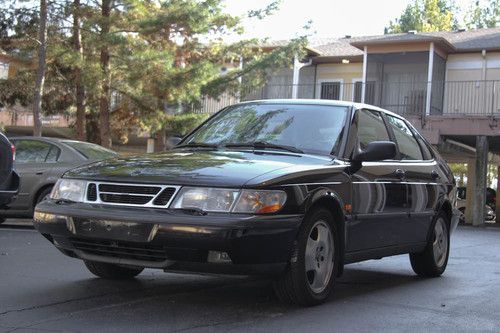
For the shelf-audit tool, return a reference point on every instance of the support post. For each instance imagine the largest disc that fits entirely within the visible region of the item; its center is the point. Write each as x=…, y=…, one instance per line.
x=297, y=65
x=479, y=194
x=471, y=177
x=365, y=63
x=429, y=80
x=497, y=209
x=296, y=77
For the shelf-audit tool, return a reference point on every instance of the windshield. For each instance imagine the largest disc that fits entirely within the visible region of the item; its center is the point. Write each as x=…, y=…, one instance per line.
x=314, y=129
x=91, y=151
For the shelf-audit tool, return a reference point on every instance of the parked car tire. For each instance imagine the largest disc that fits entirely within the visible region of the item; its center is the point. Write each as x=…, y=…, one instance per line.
x=462, y=215
x=44, y=195
x=433, y=260
x=112, y=271
x=310, y=277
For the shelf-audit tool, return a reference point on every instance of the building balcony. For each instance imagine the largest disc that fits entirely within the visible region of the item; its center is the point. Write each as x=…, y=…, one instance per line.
x=454, y=98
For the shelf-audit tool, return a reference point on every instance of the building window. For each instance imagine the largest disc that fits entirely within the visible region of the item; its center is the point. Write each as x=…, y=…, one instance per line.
x=331, y=90
x=358, y=91
x=4, y=70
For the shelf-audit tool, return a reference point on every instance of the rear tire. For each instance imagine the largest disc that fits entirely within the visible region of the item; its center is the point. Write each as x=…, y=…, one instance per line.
x=310, y=276
x=433, y=260
x=112, y=271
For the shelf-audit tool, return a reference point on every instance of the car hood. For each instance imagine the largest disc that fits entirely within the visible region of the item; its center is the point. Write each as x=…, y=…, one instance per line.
x=199, y=167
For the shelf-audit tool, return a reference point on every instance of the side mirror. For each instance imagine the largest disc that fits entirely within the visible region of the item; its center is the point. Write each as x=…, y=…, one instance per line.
x=376, y=151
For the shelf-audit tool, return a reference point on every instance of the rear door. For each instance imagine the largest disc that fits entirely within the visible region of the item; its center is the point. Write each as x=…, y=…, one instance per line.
x=380, y=202
x=34, y=161
x=422, y=177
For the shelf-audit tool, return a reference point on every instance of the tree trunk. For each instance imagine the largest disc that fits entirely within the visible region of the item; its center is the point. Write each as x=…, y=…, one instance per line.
x=105, y=128
x=79, y=87
x=160, y=141
x=40, y=75
x=161, y=136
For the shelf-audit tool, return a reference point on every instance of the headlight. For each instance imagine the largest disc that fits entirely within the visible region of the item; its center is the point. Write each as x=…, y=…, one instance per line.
x=206, y=199
x=260, y=202
x=229, y=200
x=69, y=189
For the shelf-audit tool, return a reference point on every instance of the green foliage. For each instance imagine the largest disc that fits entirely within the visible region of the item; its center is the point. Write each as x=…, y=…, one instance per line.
x=425, y=16
x=166, y=52
x=482, y=14
x=183, y=123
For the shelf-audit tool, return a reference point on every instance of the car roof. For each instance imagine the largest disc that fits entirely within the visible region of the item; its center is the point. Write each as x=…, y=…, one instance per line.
x=320, y=102
x=45, y=138
x=42, y=138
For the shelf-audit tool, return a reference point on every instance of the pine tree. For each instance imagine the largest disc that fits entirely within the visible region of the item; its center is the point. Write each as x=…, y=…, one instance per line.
x=424, y=16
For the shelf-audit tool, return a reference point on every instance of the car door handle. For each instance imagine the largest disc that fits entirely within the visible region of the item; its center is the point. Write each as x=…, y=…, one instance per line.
x=400, y=173
x=39, y=173
x=435, y=175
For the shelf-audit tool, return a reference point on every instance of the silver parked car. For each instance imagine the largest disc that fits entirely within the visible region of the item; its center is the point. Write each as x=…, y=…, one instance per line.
x=40, y=162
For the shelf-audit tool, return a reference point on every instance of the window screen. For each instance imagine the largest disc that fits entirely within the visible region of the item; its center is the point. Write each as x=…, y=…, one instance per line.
x=330, y=90
x=371, y=127
x=358, y=90
x=408, y=145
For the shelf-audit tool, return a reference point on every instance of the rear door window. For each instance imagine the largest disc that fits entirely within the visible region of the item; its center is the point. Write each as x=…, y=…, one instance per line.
x=33, y=151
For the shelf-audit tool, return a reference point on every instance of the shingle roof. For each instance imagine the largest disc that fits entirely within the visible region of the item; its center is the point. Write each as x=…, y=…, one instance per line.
x=454, y=41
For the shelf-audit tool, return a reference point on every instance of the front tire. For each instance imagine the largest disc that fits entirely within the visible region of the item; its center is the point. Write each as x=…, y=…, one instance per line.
x=310, y=277
x=433, y=260
x=111, y=271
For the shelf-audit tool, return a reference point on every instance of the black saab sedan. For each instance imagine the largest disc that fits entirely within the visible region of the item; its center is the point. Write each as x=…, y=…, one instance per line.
x=293, y=189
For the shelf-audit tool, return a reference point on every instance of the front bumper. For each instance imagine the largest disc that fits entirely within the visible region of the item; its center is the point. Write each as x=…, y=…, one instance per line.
x=169, y=239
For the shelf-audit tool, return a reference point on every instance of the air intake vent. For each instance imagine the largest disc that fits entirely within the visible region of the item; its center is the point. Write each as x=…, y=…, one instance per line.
x=92, y=192
x=143, y=195
x=131, y=189
x=164, y=197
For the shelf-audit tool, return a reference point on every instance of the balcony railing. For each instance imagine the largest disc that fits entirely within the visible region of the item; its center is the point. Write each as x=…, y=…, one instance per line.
x=479, y=98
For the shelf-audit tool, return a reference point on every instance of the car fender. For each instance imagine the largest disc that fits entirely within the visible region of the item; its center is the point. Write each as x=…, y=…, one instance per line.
x=332, y=200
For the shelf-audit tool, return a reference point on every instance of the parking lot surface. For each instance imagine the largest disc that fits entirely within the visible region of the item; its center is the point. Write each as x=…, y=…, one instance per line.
x=43, y=291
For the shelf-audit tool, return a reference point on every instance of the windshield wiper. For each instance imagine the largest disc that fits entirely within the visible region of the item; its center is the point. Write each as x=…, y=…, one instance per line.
x=264, y=145
x=197, y=145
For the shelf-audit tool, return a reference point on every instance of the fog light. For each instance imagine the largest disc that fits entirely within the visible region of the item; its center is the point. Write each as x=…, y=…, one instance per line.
x=41, y=217
x=218, y=257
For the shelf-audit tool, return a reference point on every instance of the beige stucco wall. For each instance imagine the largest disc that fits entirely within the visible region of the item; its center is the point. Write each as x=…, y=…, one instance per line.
x=345, y=73
x=470, y=89
x=399, y=47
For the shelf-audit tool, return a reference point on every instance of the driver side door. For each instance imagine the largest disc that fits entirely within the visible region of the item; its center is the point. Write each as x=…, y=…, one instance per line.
x=380, y=193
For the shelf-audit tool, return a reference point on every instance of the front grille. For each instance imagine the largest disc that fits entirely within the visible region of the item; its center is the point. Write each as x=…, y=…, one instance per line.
x=125, y=198
x=120, y=249
x=132, y=189
x=164, y=196
x=92, y=192
x=131, y=194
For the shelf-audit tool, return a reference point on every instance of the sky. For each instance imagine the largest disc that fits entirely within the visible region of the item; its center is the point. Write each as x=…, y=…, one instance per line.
x=331, y=18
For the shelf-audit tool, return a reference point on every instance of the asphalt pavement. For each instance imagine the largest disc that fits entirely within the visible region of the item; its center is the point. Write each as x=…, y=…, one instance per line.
x=42, y=290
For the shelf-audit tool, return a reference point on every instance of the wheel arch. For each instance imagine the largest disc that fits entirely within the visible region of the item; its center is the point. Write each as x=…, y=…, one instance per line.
x=446, y=207
x=38, y=192
x=332, y=202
